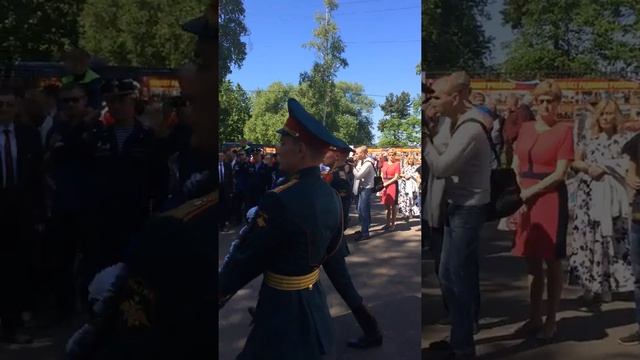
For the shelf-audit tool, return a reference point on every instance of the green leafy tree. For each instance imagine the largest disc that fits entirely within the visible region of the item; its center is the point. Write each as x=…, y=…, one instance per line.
x=37, y=30
x=231, y=49
x=139, y=32
x=582, y=37
x=318, y=85
x=453, y=37
x=354, y=114
x=268, y=113
x=400, y=125
x=235, y=110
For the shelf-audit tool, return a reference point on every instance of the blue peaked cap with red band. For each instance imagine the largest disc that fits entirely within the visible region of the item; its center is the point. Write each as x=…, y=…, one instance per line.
x=304, y=126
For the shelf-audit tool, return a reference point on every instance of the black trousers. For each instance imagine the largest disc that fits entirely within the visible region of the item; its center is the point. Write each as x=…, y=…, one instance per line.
x=70, y=233
x=16, y=266
x=16, y=295
x=338, y=273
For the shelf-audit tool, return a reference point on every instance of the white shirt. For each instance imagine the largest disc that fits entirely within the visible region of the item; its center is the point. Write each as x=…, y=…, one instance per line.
x=221, y=171
x=363, y=173
x=14, y=152
x=46, y=125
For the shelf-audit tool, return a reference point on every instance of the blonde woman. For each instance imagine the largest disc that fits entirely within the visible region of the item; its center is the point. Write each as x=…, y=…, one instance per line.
x=543, y=153
x=390, y=175
x=599, y=255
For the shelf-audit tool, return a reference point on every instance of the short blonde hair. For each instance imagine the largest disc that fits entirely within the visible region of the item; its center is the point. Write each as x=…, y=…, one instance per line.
x=363, y=149
x=548, y=88
x=459, y=81
x=599, y=110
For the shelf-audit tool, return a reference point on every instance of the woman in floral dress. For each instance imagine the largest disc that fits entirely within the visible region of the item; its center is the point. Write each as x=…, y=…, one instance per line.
x=409, y=189
x=599, y=255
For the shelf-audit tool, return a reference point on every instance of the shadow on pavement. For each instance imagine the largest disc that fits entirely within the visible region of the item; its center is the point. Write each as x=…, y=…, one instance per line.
x=400, y=328
x=505, y=305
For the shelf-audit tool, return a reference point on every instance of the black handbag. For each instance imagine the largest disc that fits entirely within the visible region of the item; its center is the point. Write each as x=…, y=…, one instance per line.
x=378, y=185
x=505, y=191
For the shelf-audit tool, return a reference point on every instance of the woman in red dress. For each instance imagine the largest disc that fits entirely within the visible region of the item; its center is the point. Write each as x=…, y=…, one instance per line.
x=390, y=174
x=544, y=151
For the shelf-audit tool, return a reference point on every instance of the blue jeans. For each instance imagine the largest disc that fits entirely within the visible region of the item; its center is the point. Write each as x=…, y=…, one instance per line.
x=634, y=238
x=364, y=210
x=459, y=272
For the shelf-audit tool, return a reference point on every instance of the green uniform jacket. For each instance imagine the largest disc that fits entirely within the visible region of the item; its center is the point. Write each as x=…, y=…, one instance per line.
x=295, y=229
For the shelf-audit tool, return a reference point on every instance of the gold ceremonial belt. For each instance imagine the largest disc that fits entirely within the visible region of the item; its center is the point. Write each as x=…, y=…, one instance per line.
x=292, y=283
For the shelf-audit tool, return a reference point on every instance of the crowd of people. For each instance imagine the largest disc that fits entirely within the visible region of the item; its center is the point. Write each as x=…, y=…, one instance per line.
x=247, y=172
x=85, y=164
x=578, y=191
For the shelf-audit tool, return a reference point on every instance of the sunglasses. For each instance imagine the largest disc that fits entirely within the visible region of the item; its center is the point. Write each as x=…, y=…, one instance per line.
x=69, y=100
x=7, y=104
x=546, y=101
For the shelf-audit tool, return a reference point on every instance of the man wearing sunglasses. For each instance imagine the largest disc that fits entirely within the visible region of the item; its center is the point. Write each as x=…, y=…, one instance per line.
x=69, y=166
x=130, y=175
x=21, y=210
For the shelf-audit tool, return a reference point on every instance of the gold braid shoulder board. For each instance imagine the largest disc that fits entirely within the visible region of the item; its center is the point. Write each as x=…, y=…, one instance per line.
x=194, y=207
x=286, y=185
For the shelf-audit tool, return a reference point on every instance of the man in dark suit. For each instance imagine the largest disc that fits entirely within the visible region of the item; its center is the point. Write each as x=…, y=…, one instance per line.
x=225, y=178
x=21, y=211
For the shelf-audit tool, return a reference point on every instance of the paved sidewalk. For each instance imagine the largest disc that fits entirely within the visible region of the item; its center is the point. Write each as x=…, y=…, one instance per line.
x=582, y=334
x=386, y=272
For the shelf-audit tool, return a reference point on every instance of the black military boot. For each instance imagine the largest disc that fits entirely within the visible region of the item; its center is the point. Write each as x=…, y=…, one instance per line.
x=372, y=336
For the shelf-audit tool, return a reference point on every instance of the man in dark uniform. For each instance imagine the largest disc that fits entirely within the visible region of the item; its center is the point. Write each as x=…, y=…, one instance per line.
x=294, y=230
x=158, y=303
x=70, y=171
x=336, y=267
x=130, y=175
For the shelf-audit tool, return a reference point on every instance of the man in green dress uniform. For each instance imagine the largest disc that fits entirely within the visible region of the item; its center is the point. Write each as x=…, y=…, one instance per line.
x=294, y=230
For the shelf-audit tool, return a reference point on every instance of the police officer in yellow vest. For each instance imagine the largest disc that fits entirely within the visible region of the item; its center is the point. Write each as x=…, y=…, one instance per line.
x=294, y=230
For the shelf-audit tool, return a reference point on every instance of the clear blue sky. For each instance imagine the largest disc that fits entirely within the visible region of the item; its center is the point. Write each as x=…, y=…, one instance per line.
x=382, y=44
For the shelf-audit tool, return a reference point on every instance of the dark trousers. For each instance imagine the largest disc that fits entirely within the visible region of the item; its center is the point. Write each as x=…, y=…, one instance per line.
x=226, y=208
x=238, y=206
x=70, y=232
x=459, y=272
x=338, y=273
x=634, y=238
x=436, y=236
x=14, y=279
x=16, y=266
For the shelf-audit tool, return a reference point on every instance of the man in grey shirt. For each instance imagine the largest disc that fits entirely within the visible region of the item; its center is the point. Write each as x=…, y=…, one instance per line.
x=466, y=167
x=363, y=173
